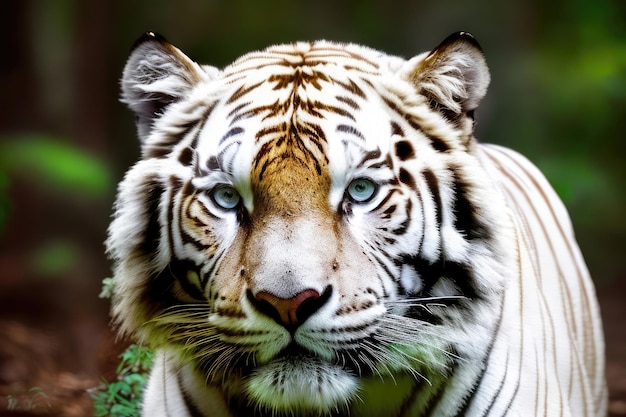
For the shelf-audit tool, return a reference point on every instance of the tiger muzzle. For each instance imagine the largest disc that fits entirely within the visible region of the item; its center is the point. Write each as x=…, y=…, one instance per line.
x=290, y=312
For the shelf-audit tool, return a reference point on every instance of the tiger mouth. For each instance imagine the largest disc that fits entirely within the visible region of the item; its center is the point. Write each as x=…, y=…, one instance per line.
x=355, y=362
x=295, y=356
x=294, y=351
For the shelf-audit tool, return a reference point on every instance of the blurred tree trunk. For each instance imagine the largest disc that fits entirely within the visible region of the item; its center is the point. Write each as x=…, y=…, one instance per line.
x=20, y=109
x=92, y=59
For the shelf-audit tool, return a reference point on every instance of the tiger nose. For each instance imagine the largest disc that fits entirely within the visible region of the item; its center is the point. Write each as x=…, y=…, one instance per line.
x=290, y=312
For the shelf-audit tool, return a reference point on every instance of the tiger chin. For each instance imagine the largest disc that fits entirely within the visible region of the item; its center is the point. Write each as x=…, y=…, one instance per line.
x=313, y=230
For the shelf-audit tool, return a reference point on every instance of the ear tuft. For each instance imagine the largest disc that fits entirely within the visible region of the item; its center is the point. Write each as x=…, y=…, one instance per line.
x=454, y=76
x=156, y=75
x=148, y=37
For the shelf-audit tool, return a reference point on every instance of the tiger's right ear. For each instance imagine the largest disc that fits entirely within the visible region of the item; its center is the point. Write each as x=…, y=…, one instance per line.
x=156, y=75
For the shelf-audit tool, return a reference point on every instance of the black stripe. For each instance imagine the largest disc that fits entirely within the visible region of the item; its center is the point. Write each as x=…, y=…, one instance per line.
x=369, y=156
x=314, y=130
x=186, y=156
x=157, y=151
x=156, y=295
x=152, y=189
x=212, y=164
x=351, y=130
x=242, y=91
x=468, y=400
x=404, y=226
x=187, y=200
x=231, y=162
x=410, y=401
x=436, y=106
x=404, y=150
x=208, y=274
x=315, y=134
x=387, y=271
x=203, y=119
x=439, y=144
x=436, y=398
x=178, y=270
x=396, y=129
x=188, y=239
x=405, y=177
x=389, y=211
x=433, y=187
x=385, y=200
x=496, y=395
x=351, y=87
x=349, y=102
x=431, y=272
x=320, y=105
x=466, y=215
x=421, y=207
x=235, y=112
x=272, y=131
x=232, y=132
x=174, y=186
x=193, y=410
x=166, y=144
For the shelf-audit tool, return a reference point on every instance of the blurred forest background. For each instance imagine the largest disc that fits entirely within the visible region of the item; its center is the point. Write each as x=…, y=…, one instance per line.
x=558, y=95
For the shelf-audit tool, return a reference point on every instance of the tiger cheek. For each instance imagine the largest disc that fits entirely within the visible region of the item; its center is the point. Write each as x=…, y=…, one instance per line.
x=228, y=283
x=353, y=277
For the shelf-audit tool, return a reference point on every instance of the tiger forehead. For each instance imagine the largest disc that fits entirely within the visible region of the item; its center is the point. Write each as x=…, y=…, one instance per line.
x=289, y=93
x=310, y=54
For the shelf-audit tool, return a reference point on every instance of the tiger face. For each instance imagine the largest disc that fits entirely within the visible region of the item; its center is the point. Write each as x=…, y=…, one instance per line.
x=306, y=228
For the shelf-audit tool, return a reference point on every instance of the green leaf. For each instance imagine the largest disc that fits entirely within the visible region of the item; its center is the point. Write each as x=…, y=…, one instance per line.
x=55, y=258
x=55, y=163
x=107, y=288
x=123, y=410
x=123, y=397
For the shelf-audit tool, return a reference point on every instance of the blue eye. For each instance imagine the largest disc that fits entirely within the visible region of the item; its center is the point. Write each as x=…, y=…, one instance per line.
x=226, y=197
x=362, y=190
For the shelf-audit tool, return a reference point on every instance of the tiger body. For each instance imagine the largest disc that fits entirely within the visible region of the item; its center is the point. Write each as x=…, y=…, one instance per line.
x=313, y=230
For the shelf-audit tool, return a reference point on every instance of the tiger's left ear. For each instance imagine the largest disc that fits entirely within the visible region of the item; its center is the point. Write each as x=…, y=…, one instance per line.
x=454, y=76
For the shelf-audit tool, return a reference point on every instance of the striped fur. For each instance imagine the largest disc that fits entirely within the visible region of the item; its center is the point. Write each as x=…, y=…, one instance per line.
x=314, y=231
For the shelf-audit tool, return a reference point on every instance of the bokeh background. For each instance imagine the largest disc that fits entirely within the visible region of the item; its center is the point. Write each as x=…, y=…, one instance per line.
x=558, y=95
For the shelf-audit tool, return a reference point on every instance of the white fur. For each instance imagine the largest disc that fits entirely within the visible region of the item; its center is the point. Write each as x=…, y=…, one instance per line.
x=519, y=325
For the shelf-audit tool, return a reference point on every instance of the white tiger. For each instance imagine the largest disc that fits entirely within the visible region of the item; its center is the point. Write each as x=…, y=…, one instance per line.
x=314, y=231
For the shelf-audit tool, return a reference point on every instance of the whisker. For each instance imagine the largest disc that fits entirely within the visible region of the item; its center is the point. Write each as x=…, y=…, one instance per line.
x=380, y=357
x=425, y=302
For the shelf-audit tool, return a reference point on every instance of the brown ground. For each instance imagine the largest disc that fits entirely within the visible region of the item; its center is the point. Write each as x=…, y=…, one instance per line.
x=47, y=371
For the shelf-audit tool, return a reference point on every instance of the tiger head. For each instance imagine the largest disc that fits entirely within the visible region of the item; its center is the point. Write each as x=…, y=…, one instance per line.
x=309, y=223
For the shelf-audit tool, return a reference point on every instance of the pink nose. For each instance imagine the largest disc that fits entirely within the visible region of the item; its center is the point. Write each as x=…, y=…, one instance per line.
x=290, y=312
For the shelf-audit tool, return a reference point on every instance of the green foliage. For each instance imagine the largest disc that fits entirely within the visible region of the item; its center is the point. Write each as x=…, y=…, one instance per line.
x=55, y=163
x=122, y=398
x=36, y=399
x=579, y=180
x=54, y=258
x=59, y=169
x=107, y=288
